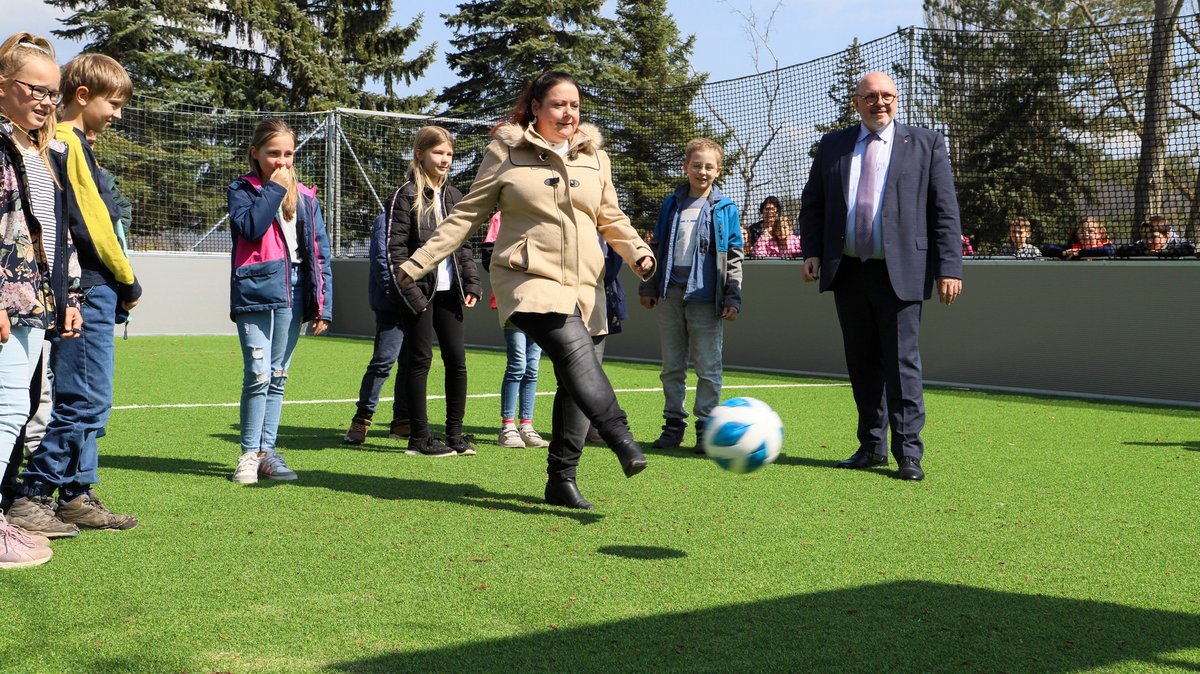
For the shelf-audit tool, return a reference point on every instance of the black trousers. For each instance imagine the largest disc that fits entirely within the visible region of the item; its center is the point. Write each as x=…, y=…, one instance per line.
x=880, y=333
x=443, y=317
x=584, y=393
x=566, y=445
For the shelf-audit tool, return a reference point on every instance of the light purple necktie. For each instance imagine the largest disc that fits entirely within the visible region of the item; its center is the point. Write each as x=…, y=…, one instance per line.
x=864, y=200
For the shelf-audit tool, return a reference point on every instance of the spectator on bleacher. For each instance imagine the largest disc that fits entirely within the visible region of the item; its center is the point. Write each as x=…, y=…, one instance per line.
x=777, y=242
x=967, y=248
x=547, y=266
x=1019, y=232
x=769, y=213
x=1159, y=240
x=1089, y=239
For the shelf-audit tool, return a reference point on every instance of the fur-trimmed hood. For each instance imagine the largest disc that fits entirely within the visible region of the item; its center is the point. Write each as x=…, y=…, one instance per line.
x=587, y=138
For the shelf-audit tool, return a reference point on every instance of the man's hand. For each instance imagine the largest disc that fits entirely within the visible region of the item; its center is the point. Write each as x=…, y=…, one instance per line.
x=128, y=306
x=648, y=301
x=730, y=313
x=319, y=327
x=948, y=289
x=469, y=300
x=72, y=323
x=645, y=265
x=812, y=269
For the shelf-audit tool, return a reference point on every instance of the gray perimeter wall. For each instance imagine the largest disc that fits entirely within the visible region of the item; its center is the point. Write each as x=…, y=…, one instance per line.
x=1125, y=330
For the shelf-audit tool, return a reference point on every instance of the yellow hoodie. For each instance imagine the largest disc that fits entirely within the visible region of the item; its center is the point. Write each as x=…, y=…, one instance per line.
x=91, y=205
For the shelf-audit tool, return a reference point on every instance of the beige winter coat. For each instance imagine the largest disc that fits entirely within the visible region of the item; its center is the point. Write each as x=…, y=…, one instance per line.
x=547, y=257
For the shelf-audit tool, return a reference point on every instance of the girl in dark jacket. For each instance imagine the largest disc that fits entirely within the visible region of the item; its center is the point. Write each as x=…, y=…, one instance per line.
x=433, y=305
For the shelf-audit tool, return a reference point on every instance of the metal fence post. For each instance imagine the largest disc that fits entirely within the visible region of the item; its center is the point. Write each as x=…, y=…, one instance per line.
x=333, y=211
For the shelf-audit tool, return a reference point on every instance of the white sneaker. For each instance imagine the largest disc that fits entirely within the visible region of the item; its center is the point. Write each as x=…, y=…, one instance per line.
x=531, y=437
x=247, y=469
x=509, y=437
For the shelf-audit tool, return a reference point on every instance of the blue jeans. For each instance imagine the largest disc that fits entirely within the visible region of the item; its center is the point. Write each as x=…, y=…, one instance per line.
x=389, y=350
x=18, y=360
x=520, y=374
x=689, y=330
x=83, y=389
x=268, y=341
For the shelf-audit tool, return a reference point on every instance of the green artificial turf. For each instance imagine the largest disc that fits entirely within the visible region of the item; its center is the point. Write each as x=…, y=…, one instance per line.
x=1051, y=535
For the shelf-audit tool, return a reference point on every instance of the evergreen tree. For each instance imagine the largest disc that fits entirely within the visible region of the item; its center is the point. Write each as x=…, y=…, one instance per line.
x=257, y=54
x=308, y=55
x=649, y=118
x=150, y=38
x=851, y=66
x=502, y=43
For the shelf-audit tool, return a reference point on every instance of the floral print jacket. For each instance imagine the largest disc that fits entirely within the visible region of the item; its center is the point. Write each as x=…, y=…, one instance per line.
x=28, y=294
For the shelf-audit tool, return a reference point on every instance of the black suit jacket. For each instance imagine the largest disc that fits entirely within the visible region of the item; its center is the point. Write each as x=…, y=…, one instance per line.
x=922, y=236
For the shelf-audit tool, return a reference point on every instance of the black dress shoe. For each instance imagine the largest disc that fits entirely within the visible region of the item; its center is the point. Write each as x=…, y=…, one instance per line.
x=633, y=461
x=910, y=469
x=863, y=458
x=566, y=493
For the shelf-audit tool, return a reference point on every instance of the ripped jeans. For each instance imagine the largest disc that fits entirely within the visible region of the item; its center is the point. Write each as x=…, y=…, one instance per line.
x=268, y=339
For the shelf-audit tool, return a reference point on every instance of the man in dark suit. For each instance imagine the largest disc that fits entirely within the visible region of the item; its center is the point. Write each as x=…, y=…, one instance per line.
x=879, y=225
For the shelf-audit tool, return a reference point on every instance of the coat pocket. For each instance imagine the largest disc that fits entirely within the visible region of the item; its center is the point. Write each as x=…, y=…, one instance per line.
x=515, y=256
x=260, y=283
x=922, y=243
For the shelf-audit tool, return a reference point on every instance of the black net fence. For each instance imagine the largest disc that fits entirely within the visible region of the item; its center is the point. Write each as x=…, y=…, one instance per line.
x=1076, y=138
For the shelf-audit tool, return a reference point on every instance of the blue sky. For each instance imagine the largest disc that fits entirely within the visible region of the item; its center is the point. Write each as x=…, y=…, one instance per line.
x=803, y=30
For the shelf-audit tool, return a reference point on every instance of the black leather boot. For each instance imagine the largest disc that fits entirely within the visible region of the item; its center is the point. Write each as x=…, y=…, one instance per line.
x=633, y=461
x=564, y=492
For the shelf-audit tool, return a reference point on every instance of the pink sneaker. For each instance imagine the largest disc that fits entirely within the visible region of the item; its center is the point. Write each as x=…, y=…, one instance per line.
x=17, y=550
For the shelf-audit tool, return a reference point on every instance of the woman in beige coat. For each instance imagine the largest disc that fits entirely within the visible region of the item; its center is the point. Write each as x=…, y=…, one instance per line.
x=548, y=175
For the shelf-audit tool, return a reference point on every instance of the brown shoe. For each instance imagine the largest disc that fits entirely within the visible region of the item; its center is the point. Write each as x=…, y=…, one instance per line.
x=36, y=515
x=88, y=512
x=400, y=430
x=358, y=431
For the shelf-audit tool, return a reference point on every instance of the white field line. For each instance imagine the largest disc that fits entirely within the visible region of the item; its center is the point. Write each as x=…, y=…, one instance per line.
x=743, y=387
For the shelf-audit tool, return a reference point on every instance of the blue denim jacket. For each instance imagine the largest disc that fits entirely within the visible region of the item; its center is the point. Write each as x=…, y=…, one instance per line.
x=716, y=274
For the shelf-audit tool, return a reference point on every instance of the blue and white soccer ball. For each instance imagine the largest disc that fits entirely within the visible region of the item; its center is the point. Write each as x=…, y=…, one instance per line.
x=743, y=434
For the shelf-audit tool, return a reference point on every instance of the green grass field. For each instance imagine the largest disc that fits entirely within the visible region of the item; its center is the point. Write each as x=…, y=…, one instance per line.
x=1051, y=535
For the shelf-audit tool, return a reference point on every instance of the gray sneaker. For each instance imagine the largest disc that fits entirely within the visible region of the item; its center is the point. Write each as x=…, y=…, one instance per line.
x=272, y=467
x=36, y=514
x=531, y=438
x=88, y=512
x=511, y=437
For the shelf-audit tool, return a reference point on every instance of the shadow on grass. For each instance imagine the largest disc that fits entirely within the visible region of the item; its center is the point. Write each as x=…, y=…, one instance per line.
x=388, y=488
x=900, y=626
x=1190, y=445
x=308, y=438
x=641, y=552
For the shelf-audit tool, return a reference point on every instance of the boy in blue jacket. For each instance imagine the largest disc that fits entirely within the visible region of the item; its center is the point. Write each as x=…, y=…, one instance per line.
x=698, y=284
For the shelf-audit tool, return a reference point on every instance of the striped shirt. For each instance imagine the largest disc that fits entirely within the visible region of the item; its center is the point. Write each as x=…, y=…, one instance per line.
x=42, y=193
